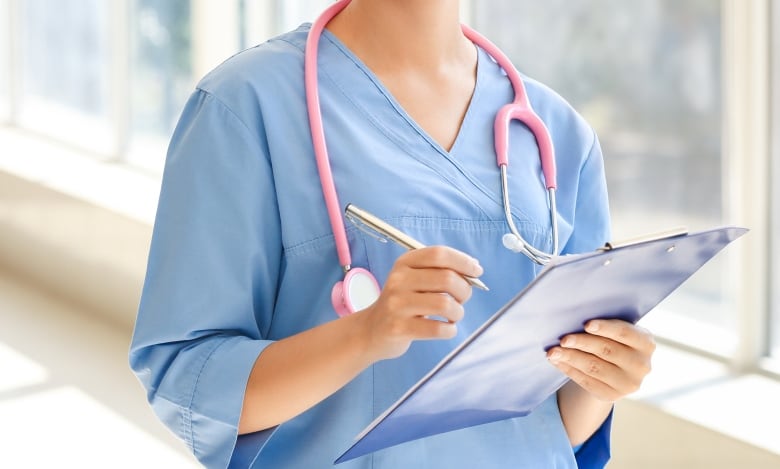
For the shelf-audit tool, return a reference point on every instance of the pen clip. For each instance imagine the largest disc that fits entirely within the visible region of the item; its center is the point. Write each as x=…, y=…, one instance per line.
x=365, y=228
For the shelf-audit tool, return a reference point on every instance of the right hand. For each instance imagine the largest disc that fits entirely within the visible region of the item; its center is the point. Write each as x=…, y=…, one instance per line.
x=422, y=298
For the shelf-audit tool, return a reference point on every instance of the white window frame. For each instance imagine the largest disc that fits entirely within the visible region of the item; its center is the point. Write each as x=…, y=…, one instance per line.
x=746, y=144
x=12, y=56
x=773, y=363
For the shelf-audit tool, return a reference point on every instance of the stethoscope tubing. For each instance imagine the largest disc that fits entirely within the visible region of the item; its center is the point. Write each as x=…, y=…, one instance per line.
x=318, y=133
x=520, y=109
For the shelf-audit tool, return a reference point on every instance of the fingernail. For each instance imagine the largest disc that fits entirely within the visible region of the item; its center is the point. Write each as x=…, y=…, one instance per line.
x=555, y=356
x=592, y=326
x=567, y=341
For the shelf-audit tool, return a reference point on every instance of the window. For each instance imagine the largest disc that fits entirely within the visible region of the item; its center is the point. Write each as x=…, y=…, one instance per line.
x=646, y=75
x=112, y=77
x=293, y=14
x=65, y=65
x=5, y=63
x=161, y=74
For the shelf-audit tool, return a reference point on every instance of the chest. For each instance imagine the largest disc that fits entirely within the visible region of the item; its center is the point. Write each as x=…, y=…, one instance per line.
x=437, y=104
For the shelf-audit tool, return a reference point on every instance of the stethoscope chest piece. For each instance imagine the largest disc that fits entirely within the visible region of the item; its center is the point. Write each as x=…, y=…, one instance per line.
x=356, y=292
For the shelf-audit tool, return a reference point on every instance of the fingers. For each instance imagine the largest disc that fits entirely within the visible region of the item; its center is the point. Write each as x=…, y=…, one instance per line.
x=439, y=281
x=618, y=354
x=593, y=385
x=436, y=269
x=598, y=376
x=610, y=360
x=427, y=329
x=422, y=298
x=442, y=257
x=425, y=305
x=622, y=332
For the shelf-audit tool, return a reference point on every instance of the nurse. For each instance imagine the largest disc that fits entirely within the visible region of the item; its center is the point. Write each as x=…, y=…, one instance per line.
x=237, y=341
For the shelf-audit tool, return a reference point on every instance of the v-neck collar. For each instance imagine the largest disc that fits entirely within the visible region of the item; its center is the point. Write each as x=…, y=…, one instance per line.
x=464, y=125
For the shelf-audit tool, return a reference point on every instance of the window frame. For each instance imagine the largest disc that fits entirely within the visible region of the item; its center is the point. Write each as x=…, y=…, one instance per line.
x=772, y=363
x=6, y=93
x=749, y=149
x=746, y=91
x=11, y=59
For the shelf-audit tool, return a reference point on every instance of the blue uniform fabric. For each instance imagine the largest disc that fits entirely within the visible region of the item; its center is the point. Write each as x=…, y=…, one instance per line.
x=243, y=254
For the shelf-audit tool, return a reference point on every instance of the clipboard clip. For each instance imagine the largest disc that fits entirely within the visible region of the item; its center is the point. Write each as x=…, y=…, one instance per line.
x=668, y=234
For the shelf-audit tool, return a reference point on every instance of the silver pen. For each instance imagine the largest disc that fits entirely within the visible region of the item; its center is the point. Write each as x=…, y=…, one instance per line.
x=355, y=214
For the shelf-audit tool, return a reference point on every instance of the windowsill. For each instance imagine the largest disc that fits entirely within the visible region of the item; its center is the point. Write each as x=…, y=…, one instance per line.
x=110, y=185
x=705, y=392
x=684, y=385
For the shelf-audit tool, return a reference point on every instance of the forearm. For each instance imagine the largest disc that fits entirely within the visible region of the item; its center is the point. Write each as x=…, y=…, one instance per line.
x=296, y=373
x=581, y=412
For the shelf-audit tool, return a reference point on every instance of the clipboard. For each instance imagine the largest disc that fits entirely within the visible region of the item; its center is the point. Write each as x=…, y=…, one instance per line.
x=508, y=351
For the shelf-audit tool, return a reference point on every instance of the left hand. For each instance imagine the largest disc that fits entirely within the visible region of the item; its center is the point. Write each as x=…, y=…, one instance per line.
x=609, y=360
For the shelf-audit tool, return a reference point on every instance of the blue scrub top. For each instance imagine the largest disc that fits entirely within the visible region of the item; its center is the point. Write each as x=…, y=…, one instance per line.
x=243, y=254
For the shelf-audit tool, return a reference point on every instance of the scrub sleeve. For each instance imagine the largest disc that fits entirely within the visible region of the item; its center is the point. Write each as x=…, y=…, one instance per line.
x=214, y=262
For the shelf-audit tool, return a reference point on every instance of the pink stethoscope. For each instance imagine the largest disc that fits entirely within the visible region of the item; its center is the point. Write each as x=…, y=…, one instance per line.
x=359, y=289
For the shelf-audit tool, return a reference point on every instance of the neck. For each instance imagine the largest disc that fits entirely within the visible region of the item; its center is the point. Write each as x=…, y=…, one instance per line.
x=404, y=33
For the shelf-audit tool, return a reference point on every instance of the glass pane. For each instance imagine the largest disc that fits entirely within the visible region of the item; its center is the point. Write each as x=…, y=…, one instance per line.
x=162, y=76
x=260, y=21
x=646, y=75
x=5, y=69
x=294, y=13
x=65, y=54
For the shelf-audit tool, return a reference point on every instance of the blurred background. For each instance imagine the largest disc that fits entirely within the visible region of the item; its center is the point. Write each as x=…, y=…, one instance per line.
x=684, y=97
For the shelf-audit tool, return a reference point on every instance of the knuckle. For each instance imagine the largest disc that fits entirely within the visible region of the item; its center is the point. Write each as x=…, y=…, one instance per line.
x=402, y=261
x=646, y=368
x=454, y=284
x=623, y=331
x=393, y=283
x=651, y=343
x=394, y=302
x=438, y=254
x=633, y=386
x=451, y=281
x=641, y=366
x=606, y=350
x=441, y=302
x=593, y=367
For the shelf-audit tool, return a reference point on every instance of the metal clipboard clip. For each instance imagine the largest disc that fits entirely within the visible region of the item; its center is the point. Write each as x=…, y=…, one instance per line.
x=668, y=234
